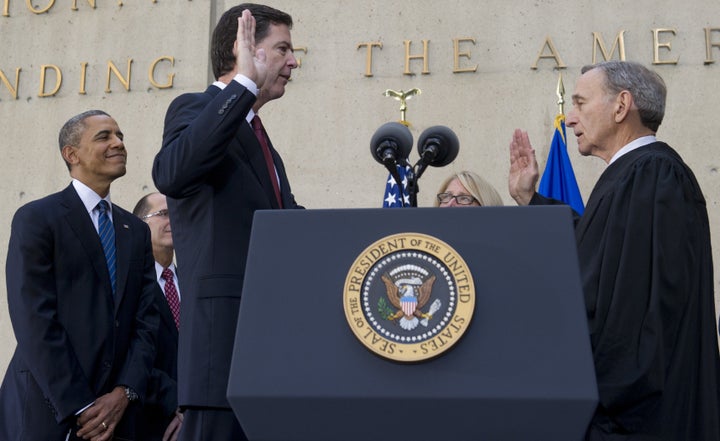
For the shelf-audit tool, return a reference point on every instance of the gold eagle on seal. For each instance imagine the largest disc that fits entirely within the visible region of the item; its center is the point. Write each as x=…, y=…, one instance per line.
x=409, y=296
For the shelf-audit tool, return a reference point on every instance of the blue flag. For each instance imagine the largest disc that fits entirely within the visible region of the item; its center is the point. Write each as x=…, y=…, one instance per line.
x=558, y=179
x=397, y=197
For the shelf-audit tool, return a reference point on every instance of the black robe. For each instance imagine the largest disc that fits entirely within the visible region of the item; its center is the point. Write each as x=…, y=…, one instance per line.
x=646, y=266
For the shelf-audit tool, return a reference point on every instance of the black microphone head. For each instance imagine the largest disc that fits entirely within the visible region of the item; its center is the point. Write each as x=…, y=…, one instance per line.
x=391, y=141
x=438, y=146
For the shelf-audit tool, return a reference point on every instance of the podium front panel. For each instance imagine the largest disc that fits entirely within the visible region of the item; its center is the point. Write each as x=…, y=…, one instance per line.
x=523, y=370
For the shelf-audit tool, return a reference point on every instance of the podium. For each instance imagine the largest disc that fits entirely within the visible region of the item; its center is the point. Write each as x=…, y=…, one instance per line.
x=523, y=369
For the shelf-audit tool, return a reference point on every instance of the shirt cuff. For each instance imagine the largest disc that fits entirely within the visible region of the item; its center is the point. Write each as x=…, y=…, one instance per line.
x=83, y=409
x=247, y=82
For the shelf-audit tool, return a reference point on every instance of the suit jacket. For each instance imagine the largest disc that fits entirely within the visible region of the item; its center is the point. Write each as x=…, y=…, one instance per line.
x=212, y=170
x=75, y=340
x=161, y=402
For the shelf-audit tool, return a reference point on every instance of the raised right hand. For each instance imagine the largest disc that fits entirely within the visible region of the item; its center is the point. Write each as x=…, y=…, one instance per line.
x=249, y=60
x=524, y=172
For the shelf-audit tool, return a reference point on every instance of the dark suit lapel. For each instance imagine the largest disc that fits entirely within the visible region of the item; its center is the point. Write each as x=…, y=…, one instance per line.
x=81, y=224
x=165, y=312
x=257, y=161
x=249, y=143
x=284, y=182
x=123, y=245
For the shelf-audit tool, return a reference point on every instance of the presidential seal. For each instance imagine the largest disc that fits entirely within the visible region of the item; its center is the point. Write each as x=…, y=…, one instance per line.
x=409, y=297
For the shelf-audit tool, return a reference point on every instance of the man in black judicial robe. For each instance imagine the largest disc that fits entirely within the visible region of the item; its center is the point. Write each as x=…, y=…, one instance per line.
x=645, y=261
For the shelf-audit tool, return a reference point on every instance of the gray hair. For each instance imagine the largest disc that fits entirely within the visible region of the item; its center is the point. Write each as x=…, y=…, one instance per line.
x=646, y=87
x=143, y=205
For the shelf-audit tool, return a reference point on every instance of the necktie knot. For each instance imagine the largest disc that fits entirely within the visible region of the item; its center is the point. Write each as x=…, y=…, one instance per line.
x=167, y=274
x=103, y=206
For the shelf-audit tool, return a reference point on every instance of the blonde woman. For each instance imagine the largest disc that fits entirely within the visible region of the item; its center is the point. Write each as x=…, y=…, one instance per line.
x=467, y=189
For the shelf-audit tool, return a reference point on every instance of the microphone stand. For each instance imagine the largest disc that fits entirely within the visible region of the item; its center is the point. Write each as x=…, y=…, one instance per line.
x=412, y=186
x=413, y=176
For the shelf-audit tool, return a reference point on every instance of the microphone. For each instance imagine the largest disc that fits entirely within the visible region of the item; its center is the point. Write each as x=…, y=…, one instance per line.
x=438, y=146
x=391, y=144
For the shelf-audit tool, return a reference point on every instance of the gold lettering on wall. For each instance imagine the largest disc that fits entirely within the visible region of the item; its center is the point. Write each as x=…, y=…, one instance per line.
x=39, y=11
x=75, y=8
x=159, y=77
x=709, y=44
x=124, y=81
x=58, y=80
x=302, y=49
x=657, y=45
x=13, y=90
x=368, y=57
x=423, y=56
x=151, y=73
x=457, y=54
x=618, y=44
x=51, y=3
x=83, y=75
x=554, y=54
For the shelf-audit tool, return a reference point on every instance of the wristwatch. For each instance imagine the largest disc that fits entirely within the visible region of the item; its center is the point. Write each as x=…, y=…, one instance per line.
x=131, y=394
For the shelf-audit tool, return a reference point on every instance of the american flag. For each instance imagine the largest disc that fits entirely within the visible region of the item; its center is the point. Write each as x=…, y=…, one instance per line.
x=393, y=197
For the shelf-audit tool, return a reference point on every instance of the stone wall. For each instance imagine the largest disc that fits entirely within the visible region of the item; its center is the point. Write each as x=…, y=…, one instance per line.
x=488, y=68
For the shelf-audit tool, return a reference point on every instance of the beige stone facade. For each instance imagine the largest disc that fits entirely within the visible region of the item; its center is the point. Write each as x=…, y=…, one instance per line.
x=132, y=57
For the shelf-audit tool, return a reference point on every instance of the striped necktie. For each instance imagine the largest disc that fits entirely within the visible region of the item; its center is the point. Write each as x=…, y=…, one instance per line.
x=107, y=239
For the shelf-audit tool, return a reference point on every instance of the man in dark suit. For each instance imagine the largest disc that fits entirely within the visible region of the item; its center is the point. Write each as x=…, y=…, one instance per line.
x=159, y=418
x=81, y=286
x=216, y=170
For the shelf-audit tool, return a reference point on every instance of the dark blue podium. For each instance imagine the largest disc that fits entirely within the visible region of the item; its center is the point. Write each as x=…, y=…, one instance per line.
x=523, y=370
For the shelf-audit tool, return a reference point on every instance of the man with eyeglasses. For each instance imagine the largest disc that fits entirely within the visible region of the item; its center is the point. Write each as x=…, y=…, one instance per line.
x=160, y=415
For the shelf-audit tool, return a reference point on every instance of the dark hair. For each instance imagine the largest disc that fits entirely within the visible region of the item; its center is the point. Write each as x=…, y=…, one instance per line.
x=225, y=33
x=72, y=130
x=143, y=206
x=646, y=87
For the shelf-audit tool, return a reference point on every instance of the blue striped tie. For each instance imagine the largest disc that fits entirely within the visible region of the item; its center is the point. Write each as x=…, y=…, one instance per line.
x=107, y=238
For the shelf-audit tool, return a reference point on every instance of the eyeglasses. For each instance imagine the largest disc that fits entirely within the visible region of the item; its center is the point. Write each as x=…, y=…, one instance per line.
x=461, y=199
x=161, y=213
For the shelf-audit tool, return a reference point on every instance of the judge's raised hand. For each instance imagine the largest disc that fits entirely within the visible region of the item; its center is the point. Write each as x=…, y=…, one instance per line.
x=523, y=168
x=250, y=61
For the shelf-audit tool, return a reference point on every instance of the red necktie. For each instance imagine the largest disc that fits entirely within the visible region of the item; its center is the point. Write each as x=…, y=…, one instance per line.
x=171, y=295
x=262, y=137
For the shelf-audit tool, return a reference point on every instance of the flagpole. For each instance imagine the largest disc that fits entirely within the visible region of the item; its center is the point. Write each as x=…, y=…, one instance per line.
x=560, y=92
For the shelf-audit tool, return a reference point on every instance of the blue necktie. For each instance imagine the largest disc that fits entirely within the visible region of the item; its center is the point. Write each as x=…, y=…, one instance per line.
x=107, y=238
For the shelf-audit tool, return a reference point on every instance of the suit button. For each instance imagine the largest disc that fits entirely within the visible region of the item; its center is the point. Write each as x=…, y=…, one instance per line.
x=106, y=365
x=221, y=111
x=117, y=324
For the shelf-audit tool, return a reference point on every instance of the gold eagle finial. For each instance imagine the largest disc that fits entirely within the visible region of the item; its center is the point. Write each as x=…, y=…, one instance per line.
x=402, y=96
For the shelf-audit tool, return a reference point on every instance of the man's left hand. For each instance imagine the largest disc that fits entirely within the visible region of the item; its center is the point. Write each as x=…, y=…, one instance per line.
x=98, y=422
